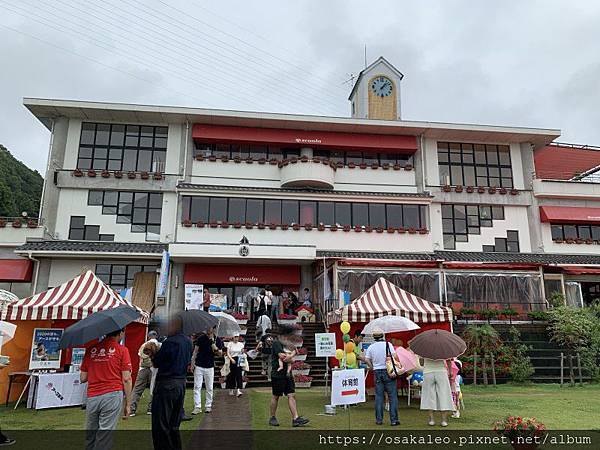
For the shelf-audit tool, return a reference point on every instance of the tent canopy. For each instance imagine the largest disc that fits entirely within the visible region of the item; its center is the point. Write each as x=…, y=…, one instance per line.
x=75, y=299
x=385, y=298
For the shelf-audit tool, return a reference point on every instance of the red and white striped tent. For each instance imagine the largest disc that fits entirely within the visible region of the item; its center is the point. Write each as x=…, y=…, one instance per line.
x=385, y=298
x=73, y=300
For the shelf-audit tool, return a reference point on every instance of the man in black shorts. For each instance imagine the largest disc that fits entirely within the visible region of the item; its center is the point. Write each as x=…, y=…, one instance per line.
x=282, y=384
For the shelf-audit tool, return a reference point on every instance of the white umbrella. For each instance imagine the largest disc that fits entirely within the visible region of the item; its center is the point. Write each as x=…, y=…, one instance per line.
x=7, y=297
x=7, y=332
x=390, y=324
x=227, y=325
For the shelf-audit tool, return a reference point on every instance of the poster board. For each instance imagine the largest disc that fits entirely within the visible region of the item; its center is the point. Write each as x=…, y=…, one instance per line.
x=325, y=344
x=77, y=355
x=218, y=302
x=45, y=353
x=348, y=387
x=194, y=296
x=56, y=390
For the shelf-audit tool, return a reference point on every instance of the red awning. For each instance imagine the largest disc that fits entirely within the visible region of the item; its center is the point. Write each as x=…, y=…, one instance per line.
x=327, y=139
x=580, y=270
x=569, y=214
x=15, y=270
x=386, y=263
x=241, y=274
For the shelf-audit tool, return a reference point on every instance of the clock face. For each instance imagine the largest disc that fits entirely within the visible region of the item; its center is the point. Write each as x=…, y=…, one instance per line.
x=381, y=86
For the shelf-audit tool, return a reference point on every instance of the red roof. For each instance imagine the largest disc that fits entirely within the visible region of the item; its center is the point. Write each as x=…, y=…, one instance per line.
x=562, y=162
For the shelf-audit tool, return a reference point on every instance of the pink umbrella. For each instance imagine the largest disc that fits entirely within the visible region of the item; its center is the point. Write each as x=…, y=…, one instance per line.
x=407, y=358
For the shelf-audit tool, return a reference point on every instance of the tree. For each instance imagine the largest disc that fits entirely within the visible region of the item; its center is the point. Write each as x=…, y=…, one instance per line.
x=484, y=340
x=20, y=187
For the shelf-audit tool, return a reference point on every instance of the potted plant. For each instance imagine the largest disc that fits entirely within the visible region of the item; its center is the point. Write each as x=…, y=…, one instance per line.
x=522, y=432
x=503, y=191
x=379, y=229
x=144, y=175
x=579, y=241
x=32, y=223
x=249, y=160
x=488, y=314
x=2, y=223
x=447, y=188
x=200, y=224
x=401, y=230
x=333, y=227
x=187, y=223
x=237, y=159
x=412, y=230
x=273, y=162
x=301, y=354
x=558, y=241
x=105, y=174
x=118, y=174
x=293, y=160
x=262, y=160
x=300, y=368
x=131, y=175
x=213, y=224
x=261, y=226
x=77, y=173
x=491, y=190
x=468, y=313
x=391, y=230
x=224, y=224
x=224, y=158
x=514, y=191
x=375, y=166
x=17, y=223
x=337, y=165
x=481, y=189
x=358, y=228
x=408, y=167
x=296, y=227
x=458, y=188
x=212, y=158
x=272, y=226
x=241, y=319
x=570, y=241
x=308, y=226
x=351, y=165
x=157, y=176
x=91, y=173
x=199, y=157
x=423, y=231
x=397, y=167
x=347, y=228
x=249, y=225
x=470, y=189
x=303, y=381
x=589, y=241
x=321, y=226
x=509, y=313
x=287, y=319
x=304, y=158
x=237, y=225
x=385, y=166
x=284, y=226
x=368, y=229
x=363, y=165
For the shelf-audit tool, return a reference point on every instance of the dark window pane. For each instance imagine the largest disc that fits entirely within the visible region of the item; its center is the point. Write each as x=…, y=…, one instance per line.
x=114, y=164
x=124, y=218
x=343, y=214
x=570, y=231
x=76, y=234
x=456, y=175
x=360, y=214
x=492, y=154
x=155, y=201
x=447, y=225
x=254, y=211
x=258, y=151
x=237, y=210
x=221, y=150
x=109, y=210
x=411, y=216
x=132, y=135
x=460, y=212
x=275, y=153
x=218, y=209
x=125, y=209
x=153, y=229
x=289, y=153
x=102, y=269
x=512, y=246
x=326, y=213
x=199, y=209
x=500, y=244
x=354, y=157
x=144, y=161
x=498, y=212
x=595, y=232
x=102, y=134
x=480, y=154
x=84, y=163
x=485, y=223
x=460, y=226
x=557, y=232
x=117, y=135
x=308, y=212
x=377, y=215
x=99, y=164
x=394, y=216
x=107, y=237
x=87, y=133
x=442, y=156
x=445, y=175
x=449, y=243
x=388, y=158
x=485, y=212
x=473, y=230
x=77, y=221
x=447, y=211
x=139, y=216
x=110, y=198
x=337, y=156
x=95, y=198
x=488, y=248
x=273, y=211
x=461, y=237
x=129, y=160
x=584, y=232
x=504, y=154
x=289, y=211
x=512, y=235
x=85, y=152
x=469, y=176
x=154, y=216
x=138, y=228
x=140, y=200
x=92, y=233
x=370, y=158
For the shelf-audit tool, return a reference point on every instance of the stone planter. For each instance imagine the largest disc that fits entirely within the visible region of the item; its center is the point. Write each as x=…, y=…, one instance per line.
x=288, y=322
x=300, y=357
x=241, y=321
x=300, y=372
x=304, y=385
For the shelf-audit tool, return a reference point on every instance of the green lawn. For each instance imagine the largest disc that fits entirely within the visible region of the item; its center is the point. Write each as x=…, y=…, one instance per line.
x=559, y=408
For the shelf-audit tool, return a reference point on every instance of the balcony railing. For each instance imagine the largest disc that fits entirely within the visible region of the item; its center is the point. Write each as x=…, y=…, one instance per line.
x=21, y=222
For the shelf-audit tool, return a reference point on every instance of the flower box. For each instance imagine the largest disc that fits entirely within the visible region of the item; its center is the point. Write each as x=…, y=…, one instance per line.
x=199, y=157
x=458, y=188
x=200, y=224
x=303, y=384
x=105, y=174
x=303, y=381
x=144, y=175
x=187, y=223
x=157, y=176
x=481, y=190
x=300, y=357
x=118, y=174
x=333, y=228
x=300, y=372
x=131, y=175
x=408, y=167
x=470, y=189
x=91, y=173
x=347, y=228
x=447, y=188
x=77, y=173
x=17, y=223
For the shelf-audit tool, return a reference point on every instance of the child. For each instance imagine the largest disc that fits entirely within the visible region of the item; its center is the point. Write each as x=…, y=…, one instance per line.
x=455, y=382
x=281, y=363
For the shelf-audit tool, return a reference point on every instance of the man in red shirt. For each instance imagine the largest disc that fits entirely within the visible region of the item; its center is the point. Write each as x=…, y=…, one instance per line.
x=106, y=368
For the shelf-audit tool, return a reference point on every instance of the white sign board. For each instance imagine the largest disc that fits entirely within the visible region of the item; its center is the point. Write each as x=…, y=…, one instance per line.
x=348, y=387
x=56, y=390
x=325, y=344
x=194, y=296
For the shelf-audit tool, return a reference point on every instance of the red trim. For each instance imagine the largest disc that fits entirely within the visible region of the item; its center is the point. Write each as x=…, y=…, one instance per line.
x=578, y=270
x=569, y=214
x=241, y=274
x=387, y=263
x=16, y=270
x=484, y=266
x=301, y=138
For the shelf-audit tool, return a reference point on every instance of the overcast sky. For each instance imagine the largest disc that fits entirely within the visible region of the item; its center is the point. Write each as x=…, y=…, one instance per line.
x=533, y=63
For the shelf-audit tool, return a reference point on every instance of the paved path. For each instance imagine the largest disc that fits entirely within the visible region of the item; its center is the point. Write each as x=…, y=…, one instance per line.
x=232, y=416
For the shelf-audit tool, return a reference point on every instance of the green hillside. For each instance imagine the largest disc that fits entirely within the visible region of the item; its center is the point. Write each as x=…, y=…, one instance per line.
x=20, y=187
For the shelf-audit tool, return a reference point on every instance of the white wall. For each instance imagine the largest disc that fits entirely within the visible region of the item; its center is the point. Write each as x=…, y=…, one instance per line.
x=515, y=218
x=552, y=247
x=72, y=145
x=322, y=240
x=62, y=270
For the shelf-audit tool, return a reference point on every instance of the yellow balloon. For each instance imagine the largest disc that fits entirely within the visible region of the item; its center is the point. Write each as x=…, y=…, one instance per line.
x=349, y=347
x=345, y=327
x=350, y=359
x=339, y=354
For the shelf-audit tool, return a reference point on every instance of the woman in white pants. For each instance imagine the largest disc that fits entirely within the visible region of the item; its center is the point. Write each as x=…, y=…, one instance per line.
x=206, y=347
x=436, y=394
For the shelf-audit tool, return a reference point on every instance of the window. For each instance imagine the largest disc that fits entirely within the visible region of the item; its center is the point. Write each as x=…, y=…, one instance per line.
x=120, y=276
x=458, y=221
x=508, y=244
x=562, y=232
x=79, y=231
x=303, y=212
x=122, y=147
x=475, y=164
x=77, y=228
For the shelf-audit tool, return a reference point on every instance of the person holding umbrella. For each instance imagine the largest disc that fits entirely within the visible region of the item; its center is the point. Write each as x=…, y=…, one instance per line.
x=437, y=346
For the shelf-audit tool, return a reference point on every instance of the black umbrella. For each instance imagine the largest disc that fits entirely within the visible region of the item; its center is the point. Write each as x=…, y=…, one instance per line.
x=196, y=321
x=98, y=324
x=437, y=344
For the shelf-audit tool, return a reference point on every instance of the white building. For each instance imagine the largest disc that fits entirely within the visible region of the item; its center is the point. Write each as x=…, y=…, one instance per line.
x=450, y=212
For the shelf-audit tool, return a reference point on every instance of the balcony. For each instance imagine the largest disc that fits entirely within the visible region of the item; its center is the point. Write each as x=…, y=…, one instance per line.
x=307, y=173
x=16, y=230
x=566, y=189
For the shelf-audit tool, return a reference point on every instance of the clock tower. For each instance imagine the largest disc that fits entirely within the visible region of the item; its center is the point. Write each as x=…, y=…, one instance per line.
x=376, y=92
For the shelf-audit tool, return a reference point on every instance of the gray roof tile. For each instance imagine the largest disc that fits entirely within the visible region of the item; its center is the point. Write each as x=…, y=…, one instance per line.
x=91, y=246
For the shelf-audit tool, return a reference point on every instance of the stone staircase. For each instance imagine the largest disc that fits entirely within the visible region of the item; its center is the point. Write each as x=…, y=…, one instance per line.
x=545, y=355
x=256, y=379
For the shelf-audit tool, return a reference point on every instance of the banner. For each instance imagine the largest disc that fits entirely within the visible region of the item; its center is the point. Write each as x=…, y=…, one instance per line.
x=325, y=344
x=348, y=387
x=163, y=278
x=45, y=353
x=194, y=296
x=56, y=390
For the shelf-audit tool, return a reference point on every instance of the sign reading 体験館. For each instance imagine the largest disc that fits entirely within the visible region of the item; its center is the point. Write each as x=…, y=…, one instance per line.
x=347, y=387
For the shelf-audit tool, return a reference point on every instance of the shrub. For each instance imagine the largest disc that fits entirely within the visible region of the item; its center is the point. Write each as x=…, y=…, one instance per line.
x=515, y=428
x=556, y=299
